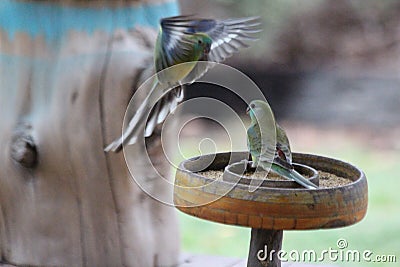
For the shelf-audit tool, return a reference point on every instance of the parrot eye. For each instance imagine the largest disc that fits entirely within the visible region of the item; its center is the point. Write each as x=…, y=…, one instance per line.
x=200, y=42
x=252, y=106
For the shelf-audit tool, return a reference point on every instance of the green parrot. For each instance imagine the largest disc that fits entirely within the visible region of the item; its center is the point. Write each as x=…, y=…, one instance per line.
x=184, y=39
x=260, y=141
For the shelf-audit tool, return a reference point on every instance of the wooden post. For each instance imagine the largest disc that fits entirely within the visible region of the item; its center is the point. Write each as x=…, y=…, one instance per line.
x=264, y=248
x=67, y=71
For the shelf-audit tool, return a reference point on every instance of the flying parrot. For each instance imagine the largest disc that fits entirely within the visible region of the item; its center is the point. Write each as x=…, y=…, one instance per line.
x=183, y=39
x=265, y=154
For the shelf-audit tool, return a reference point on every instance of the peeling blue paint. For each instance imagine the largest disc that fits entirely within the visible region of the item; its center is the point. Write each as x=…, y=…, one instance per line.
x=55, y=21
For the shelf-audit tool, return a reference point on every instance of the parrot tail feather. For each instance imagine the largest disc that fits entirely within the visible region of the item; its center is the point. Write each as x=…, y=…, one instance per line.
x=298, y=178
x=164, y=107
x=129, y=135
x=294, y=176
x=115, y=146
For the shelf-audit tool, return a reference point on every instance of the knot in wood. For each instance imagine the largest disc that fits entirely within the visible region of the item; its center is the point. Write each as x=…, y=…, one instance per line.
x=23, y=150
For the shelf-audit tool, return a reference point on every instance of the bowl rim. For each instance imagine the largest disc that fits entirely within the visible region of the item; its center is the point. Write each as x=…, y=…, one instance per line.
x=361, y=175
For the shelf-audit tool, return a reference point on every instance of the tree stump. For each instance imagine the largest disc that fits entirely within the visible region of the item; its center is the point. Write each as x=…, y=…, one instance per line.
x=67, y=71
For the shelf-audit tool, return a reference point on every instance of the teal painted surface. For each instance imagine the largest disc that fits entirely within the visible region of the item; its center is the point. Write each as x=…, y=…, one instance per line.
x=54, y=21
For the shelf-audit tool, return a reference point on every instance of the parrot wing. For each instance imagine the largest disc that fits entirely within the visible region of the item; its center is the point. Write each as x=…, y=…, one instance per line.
x=228, y=35
x=283, y=151
x=172, y=45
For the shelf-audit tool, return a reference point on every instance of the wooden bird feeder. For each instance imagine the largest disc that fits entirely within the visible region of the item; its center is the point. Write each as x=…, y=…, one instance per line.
x=270, y=210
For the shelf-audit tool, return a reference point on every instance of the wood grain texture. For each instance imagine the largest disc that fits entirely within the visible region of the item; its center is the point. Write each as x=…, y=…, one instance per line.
x=272, y=208
x=77, y=206
x=267, y=241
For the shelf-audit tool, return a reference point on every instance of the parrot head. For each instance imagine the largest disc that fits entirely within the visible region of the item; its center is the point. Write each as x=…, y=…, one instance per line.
x=257, y=109
x=202, y=43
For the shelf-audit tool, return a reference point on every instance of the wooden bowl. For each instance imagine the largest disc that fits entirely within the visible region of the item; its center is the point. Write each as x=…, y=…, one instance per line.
x=234, y=173
x=271, y=208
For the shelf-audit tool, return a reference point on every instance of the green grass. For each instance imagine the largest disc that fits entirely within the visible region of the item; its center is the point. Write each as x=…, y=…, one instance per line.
x=377, y=232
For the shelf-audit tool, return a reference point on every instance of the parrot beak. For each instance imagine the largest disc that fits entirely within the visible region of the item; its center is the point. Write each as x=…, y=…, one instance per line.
x=247, y=110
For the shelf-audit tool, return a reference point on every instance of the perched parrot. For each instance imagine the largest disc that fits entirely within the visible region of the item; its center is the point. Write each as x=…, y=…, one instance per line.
x=184, y=39
x=262, y=151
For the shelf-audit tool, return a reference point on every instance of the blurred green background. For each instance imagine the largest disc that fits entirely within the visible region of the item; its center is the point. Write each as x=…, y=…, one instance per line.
x=330, y=72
